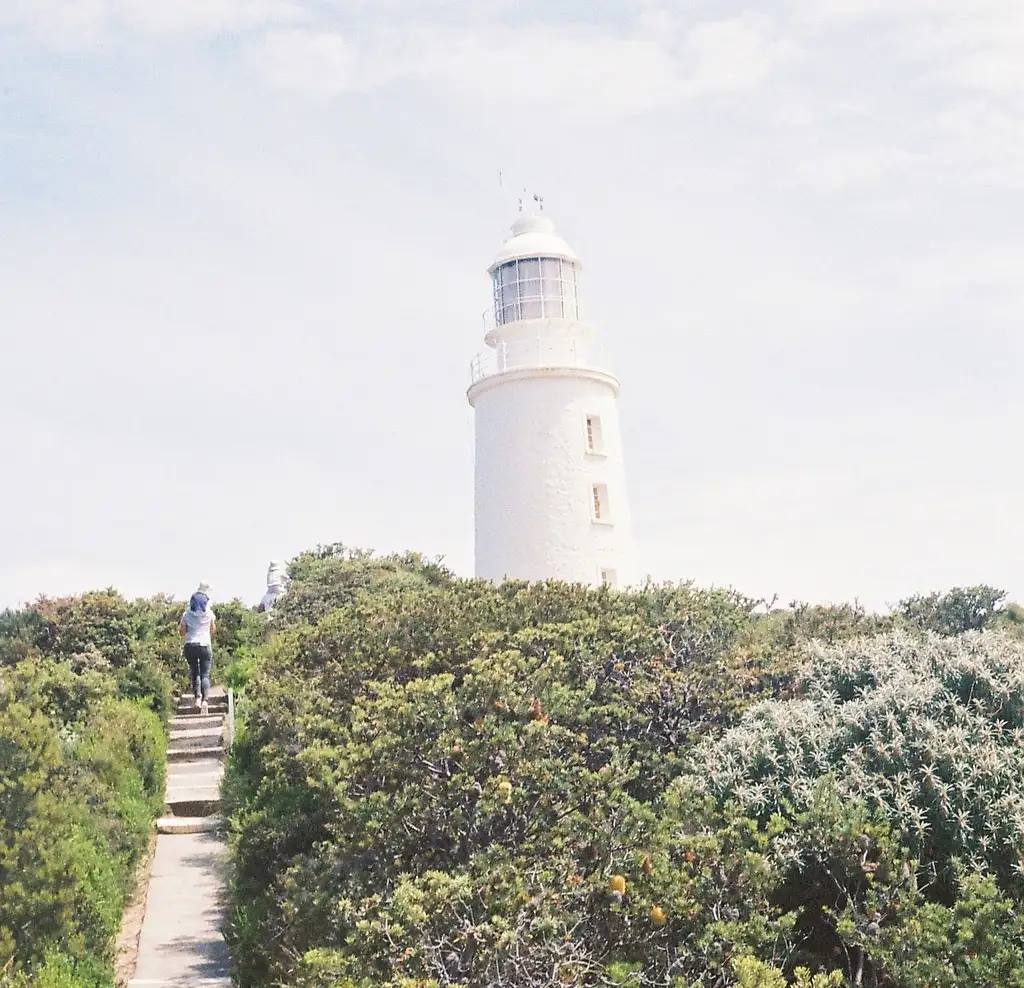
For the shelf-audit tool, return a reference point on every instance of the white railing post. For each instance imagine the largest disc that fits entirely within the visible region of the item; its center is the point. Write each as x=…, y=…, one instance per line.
x=231, y=717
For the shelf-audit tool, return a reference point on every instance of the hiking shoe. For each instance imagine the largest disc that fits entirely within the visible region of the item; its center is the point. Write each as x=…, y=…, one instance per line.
x=205, y=708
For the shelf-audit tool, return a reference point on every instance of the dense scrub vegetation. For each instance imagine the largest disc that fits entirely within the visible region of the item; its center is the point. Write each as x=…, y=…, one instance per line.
x=443, y=783
x=85, y=690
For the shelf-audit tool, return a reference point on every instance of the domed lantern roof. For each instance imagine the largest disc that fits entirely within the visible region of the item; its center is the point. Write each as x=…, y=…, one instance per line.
x=533, y=236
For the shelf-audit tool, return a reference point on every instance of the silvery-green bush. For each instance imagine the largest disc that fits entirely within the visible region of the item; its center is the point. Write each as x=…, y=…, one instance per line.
x=927, y=730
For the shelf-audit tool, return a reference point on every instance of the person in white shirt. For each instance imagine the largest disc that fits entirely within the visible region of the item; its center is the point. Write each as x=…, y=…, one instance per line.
x=197, y=626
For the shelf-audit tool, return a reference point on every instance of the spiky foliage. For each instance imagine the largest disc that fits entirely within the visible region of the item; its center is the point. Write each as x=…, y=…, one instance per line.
x=929, y=731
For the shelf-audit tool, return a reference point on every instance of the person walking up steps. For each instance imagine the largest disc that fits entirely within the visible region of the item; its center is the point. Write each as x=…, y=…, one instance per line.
x=198, y=625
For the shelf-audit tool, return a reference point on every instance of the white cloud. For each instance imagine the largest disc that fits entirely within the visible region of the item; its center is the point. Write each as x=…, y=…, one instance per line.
x=310, y=61
x=564, y=75
x=976, y=45
x=570, y=71
x=82, y=23
x=838, y=169
x=735, y=54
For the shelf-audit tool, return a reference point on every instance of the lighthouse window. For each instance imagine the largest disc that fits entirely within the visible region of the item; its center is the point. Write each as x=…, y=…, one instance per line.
x=529, y=268
x=535, y=288
x=531, y=303
x=600, y=495
x=551, y=272
x=595, y=437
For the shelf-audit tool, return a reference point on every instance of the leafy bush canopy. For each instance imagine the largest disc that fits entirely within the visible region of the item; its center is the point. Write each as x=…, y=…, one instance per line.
x=83, y=695
x=440, y=782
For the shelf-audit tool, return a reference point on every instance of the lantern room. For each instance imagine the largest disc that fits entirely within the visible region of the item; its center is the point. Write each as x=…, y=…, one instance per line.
x=535, y=275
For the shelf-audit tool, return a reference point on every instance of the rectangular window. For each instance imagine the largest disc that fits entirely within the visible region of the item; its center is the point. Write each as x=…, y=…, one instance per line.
x=595, y=437
x=600, y=495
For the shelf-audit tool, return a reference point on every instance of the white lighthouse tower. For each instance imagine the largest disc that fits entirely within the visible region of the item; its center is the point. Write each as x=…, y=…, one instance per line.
x=550, y=482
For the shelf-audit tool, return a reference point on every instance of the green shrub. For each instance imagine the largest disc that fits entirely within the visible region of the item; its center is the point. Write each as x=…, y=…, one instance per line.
x=82, y=770
x=436, y=782
x=149, y=682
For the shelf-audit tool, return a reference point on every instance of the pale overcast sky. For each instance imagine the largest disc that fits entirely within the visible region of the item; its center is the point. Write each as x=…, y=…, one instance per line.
x=243, y=254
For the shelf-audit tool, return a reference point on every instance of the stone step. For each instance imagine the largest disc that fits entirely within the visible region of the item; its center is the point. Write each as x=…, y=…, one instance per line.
x=196, y=713
x=200, y=729
x=196, y=744
x=186, y=734
x=191, y=720
x=187, y=703
x=194, y=805
x=201, y=766
x=189, y=824
x=193, y=754
x=180, y=794
x=183, y=718
x=181, y=774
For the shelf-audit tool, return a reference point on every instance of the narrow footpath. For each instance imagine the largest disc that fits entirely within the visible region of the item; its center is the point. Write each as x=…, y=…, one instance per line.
x=181, y=944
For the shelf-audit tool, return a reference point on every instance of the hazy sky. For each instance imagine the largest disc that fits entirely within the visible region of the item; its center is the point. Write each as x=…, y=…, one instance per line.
x=243, y=247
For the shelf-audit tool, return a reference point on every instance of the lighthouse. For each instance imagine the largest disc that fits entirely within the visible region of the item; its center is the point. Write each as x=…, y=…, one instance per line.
x=550, y=499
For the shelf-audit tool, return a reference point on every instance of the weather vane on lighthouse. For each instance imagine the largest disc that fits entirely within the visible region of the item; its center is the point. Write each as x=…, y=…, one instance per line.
x=538, y=199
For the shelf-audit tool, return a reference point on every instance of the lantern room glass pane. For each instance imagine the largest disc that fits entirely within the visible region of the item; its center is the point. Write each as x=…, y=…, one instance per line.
x=550, y=268
x=535, y=288
x=530, y=289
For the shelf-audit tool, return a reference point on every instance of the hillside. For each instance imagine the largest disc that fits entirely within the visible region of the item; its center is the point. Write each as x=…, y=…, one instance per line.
x=439, y=782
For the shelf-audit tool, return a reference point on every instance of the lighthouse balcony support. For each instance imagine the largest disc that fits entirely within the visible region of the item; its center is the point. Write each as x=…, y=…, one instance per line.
x=537, y=353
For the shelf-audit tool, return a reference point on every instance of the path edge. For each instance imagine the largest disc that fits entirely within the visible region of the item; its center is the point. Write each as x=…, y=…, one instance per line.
x=126, y=949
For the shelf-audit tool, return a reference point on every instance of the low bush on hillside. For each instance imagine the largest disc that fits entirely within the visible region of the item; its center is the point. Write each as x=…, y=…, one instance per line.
x=443, y=783
x=83, y=700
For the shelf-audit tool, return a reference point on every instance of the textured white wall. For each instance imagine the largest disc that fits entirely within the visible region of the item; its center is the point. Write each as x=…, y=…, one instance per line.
x=534, y=478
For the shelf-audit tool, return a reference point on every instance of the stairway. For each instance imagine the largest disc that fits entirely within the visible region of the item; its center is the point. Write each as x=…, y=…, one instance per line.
x=195, y=768
x=181, y=943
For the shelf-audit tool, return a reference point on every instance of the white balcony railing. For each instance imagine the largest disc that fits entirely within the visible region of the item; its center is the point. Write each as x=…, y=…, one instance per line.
x=536, y=353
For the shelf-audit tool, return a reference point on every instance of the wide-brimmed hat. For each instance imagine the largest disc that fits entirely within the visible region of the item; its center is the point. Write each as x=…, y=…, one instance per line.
x=204, y=588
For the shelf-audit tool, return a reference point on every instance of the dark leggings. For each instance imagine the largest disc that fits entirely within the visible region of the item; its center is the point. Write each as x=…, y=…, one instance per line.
x=199, y=658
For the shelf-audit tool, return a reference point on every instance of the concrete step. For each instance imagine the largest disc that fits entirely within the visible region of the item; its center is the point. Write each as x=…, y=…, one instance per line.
x=192, y=719
x=185, y=774
x=196, y=741
x=215, y=701
x=198, y=730
x=177, y=785
x=204, y=766
x=194, y=805
x=189, y=824
x=193, y=754
x=184, y=794
x=197, y=715
x=198, y=725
